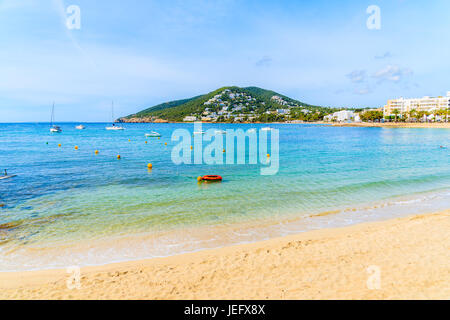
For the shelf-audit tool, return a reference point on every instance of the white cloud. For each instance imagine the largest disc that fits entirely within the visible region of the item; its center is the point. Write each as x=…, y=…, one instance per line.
x=357, y=76
x=392, y=73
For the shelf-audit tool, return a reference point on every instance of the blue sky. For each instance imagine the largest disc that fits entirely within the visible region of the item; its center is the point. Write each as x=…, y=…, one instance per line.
x=141, y=52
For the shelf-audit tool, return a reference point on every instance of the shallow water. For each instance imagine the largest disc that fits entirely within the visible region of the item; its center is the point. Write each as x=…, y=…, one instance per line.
x=72, y=207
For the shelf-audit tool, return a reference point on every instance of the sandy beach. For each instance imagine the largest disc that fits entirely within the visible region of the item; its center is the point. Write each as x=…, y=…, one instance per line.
x=406, y=258
x=437, y=125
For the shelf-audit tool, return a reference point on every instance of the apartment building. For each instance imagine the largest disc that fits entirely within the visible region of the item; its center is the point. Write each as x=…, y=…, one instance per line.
x=428, y=104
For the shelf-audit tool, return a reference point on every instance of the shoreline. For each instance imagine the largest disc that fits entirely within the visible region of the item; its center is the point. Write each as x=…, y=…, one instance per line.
x=435, y=125
x=429, y=125
x=411, y=253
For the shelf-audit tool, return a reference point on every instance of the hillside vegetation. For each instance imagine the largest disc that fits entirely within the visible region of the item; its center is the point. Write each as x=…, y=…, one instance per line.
x=231, y=104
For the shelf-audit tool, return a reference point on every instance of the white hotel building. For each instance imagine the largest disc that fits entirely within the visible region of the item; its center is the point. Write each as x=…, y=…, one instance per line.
x=419, y=104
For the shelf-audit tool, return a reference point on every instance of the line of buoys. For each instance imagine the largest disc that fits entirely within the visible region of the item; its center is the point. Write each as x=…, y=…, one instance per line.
x=223, y=151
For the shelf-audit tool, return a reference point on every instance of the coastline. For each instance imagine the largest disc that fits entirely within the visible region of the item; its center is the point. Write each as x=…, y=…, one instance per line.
x=436, y=125
x=411, y=254
x=428, y=125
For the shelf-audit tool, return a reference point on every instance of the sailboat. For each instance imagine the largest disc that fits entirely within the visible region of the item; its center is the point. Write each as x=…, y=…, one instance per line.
x=54, y=128
x=114, y=127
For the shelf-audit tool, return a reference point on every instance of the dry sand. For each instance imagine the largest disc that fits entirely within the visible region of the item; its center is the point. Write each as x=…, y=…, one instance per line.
x=437, y=125
x=409, y=258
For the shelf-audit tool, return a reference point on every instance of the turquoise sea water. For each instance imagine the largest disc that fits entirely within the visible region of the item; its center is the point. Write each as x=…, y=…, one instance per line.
x=72, y=207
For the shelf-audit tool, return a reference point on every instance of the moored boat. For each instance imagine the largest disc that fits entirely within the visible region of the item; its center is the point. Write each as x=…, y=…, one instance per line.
x=153, y=134
x=113, y=126
x=54, y=128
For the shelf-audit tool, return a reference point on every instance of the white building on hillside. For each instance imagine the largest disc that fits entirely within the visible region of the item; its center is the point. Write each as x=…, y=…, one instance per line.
x=190, y=119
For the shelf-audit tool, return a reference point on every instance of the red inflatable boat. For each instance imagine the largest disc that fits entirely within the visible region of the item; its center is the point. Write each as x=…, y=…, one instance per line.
x=212, y=178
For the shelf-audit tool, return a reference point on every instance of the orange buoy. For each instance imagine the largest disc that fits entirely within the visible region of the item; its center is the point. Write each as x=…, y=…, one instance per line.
x=165, y=143
x=192, y=147
x=59, y=145
x=76, y=147
x=96, y=151
x=149, y=166
x=268, y=155
x=118, y=156
x=199, y=178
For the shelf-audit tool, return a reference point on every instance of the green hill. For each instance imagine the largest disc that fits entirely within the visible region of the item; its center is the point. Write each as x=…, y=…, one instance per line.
x=227, y=103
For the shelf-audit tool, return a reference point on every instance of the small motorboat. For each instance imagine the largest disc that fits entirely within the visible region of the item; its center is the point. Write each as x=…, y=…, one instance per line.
x=267, y=129
x=153, y=134
x=220, y=132
x=199, y=132
x=80, y=127
x=210, y=178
